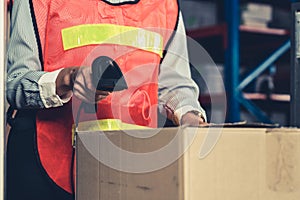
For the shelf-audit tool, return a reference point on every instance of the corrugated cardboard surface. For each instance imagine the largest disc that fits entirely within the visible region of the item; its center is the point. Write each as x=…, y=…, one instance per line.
x=97, y=181
x=246, y=163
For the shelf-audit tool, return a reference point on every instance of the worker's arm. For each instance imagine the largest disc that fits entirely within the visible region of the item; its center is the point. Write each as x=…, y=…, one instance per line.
x=27, y=85
x=178, y=93
x=23, y=64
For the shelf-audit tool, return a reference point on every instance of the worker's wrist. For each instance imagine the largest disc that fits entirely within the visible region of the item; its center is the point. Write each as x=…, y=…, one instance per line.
x=47, y=90
x=65, y=81
x=179, y=113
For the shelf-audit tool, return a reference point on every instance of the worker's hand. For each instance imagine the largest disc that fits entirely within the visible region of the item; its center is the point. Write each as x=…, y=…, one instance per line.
x=193, y=119
x=79, y=81
x=65, y=81
x=84, y=88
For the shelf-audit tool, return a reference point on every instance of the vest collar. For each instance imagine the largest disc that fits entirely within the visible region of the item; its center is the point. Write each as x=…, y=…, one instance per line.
x=119, y=2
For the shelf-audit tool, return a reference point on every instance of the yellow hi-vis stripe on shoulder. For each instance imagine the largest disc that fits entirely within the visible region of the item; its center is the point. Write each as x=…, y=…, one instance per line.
x=86, y=34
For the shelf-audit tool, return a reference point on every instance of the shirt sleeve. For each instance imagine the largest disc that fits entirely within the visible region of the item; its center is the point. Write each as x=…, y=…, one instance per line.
x=27, y=85
x=47, y=88
x=177, y=90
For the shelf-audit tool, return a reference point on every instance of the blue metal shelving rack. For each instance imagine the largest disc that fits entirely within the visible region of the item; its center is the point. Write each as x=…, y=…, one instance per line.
x=233, y=86
x=232, y=59
x=295, y=66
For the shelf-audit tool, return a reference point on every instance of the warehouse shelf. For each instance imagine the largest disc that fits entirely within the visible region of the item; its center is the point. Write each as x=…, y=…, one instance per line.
x=214, y=40
x=267, y=30
x=221, y=30
x=272, y=46
x=295, y=73
x=272, y=97
x=219, y=97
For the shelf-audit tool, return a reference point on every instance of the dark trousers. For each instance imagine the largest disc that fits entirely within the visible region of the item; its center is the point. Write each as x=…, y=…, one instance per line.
x=26, y=179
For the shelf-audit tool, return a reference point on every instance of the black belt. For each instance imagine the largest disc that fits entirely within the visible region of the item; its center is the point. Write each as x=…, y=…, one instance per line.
x=23, y=119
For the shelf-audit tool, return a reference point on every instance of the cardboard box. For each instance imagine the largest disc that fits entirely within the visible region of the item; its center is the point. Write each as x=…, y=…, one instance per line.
x=243, y=163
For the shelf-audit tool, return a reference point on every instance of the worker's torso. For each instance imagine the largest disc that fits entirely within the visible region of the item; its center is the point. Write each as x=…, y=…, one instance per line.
x=74, y=33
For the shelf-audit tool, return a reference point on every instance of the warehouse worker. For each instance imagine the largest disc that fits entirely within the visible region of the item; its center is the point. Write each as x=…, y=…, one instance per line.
x=49, y=40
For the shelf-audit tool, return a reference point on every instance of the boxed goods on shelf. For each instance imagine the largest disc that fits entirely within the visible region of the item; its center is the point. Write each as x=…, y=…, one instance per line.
x=265, y=15
x=256, y=14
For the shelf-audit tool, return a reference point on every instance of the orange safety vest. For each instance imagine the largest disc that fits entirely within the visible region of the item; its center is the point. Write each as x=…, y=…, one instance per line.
x=137, y=104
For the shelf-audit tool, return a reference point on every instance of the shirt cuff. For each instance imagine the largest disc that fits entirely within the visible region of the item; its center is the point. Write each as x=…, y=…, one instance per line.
x=185, y=109
x=47, y=88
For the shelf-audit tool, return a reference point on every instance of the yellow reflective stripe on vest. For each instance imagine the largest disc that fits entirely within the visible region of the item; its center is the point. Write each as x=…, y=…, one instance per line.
x=104, y=125
x=86, y=34
x=107, y=125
